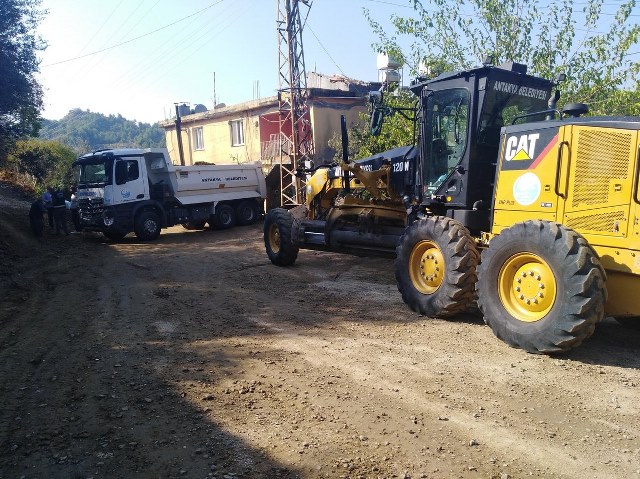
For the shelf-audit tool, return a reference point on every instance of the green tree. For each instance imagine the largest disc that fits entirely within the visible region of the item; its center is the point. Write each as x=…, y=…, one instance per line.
x=44, y=162
x=398, y=130
x=590, y=46
x=20, y=93
x=85, y=131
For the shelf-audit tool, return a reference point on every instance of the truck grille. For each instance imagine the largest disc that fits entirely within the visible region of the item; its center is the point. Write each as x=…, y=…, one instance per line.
x=91, y=210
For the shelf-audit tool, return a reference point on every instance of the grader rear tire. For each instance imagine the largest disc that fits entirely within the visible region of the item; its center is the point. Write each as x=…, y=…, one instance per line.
x=541, y=287
x=277, y=237
x=435, y=267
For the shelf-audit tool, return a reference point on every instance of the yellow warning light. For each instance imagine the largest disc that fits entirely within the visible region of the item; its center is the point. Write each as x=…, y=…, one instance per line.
x=448, y=199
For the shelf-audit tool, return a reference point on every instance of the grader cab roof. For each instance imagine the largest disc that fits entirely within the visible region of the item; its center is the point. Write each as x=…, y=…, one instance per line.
x=510, y=68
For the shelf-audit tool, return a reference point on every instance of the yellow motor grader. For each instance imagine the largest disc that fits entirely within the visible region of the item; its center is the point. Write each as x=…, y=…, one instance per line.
x=534, y=212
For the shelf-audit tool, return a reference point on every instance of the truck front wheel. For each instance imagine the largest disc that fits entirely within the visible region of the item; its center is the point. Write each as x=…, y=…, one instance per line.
x=435, y=267
x=147, y=226
x=277, y=237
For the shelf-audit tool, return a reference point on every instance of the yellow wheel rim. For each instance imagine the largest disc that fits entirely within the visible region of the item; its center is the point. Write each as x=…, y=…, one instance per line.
x=527, y=287
x=274, y=238
x=426, y=267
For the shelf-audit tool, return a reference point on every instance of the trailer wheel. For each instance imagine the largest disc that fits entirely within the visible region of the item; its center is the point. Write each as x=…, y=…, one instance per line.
x=281, y=249
x=224, y=217
x=541, y=287
x=435, y=267
x=147, y=226
x=247, y=212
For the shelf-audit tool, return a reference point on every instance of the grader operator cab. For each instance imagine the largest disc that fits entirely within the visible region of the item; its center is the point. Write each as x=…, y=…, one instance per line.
x=551, y=202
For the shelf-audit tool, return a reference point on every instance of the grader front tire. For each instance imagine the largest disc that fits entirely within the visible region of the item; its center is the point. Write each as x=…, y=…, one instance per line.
x=435, y=267
x=541, y=287
x=278, y=239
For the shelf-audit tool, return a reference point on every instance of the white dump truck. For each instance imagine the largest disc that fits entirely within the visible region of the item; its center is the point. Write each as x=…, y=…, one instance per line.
x=140, y=190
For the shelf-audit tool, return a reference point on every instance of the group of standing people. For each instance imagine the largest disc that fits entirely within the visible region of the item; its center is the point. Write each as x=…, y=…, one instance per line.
x=53, y=203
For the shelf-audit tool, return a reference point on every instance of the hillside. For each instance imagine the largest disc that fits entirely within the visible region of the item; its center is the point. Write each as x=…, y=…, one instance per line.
x=87, y=131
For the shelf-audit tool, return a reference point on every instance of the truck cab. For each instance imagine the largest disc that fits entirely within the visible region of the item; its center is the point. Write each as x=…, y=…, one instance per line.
x=112, y=186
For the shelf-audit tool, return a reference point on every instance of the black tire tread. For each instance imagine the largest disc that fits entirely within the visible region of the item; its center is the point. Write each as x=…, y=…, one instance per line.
x=288, y=252
x=461, y=258
x=573, y=320
x=254, y=209
x=139, y=226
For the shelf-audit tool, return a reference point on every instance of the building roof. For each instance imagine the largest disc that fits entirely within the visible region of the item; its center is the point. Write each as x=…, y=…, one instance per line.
x=319, y=87
x=221, y=112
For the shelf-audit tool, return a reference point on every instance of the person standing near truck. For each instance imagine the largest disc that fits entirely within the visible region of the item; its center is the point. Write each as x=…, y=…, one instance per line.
x=73, y=208
x=35, y=217
x=47, y=201
x=60, y=212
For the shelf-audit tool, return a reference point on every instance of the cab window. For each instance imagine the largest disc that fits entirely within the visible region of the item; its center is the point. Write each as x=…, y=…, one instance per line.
x=127, y=170
x=446, y=124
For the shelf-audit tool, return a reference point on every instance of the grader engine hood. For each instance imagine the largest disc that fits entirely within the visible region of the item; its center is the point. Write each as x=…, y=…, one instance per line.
x=401, y=162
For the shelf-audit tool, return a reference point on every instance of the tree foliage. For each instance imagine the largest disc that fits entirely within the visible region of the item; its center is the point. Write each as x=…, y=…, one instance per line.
x=44, y=162
x=20, y=93
x=591, y=46
x=397, y=130
x=87, y=131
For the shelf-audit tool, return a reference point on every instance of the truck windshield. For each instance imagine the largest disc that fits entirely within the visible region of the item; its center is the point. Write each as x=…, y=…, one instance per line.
x=446, y=125
x=95, y=174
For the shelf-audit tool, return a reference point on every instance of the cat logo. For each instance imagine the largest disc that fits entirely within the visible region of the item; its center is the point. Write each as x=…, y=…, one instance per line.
x=521, y=148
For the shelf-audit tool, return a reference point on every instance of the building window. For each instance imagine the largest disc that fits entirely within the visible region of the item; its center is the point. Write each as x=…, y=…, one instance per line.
x=198, y=139
x=237, y=132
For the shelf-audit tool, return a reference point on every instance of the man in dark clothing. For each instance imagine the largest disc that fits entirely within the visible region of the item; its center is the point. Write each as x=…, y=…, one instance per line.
x=35, y=217
x=60, y=212
x=47, y=200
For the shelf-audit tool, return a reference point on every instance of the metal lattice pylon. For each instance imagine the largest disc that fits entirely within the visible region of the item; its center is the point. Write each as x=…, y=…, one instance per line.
x=295, y=138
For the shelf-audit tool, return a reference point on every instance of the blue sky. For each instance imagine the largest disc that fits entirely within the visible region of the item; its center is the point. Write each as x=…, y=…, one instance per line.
x=235, y=39
x=138, y=57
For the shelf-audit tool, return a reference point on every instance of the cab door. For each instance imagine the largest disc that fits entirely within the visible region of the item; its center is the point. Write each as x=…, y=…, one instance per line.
x=130, y=180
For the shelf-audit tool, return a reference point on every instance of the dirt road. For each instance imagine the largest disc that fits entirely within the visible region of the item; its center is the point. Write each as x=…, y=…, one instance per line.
x=194, y=357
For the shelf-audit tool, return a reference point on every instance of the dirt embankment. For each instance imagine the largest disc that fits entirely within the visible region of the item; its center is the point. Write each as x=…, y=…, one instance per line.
x=193, y=356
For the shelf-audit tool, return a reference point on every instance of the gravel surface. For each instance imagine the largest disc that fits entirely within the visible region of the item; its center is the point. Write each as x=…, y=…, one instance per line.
x=193, y=356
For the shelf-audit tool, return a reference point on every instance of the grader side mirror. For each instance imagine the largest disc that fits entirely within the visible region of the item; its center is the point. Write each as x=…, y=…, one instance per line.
x=375, y=98
x=377, y=118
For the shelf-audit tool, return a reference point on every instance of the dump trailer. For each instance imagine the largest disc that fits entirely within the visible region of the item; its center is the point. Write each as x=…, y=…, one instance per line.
x=140, y=190
x=503, y=200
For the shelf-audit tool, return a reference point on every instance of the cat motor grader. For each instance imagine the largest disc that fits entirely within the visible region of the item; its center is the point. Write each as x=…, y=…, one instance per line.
x=501, y=196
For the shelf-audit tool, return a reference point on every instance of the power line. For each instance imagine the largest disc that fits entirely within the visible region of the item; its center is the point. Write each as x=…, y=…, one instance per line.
x=325, y=50
x=181, y=49
x=135, y=38
x=101, y=27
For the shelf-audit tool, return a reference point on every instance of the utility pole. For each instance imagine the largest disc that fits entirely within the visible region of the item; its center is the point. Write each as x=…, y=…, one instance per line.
x=295, y=137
